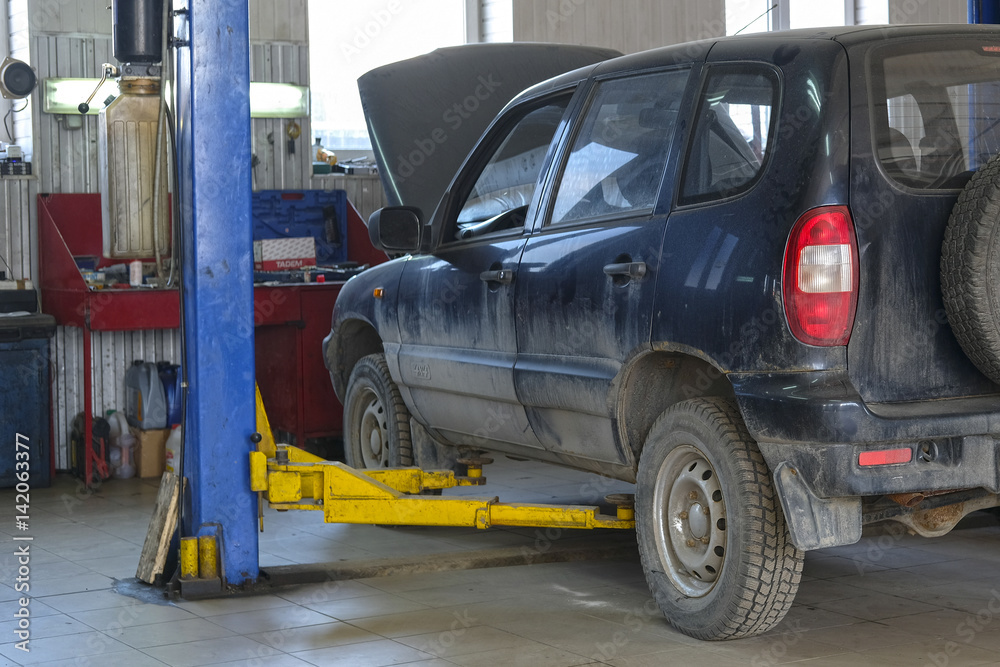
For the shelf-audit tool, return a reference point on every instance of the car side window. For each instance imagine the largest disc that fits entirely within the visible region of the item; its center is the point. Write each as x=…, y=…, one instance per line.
x=503, y=190
x=732, y=133
x=620, y=152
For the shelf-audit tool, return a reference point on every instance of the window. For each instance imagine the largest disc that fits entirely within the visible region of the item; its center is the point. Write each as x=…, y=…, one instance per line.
x=500, y=197
x=347, y=39
x=732, y=133
x=936, y=112
x=618, y=157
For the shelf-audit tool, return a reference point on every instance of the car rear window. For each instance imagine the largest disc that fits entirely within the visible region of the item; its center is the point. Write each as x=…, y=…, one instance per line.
x=935, y=111
x=732, y=134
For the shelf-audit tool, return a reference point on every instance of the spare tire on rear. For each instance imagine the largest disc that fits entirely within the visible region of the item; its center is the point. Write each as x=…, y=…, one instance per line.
x=970, y=269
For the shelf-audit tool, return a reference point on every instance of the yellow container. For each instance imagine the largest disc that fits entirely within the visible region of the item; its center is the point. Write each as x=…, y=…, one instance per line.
x=189, y=558
x=208, y=557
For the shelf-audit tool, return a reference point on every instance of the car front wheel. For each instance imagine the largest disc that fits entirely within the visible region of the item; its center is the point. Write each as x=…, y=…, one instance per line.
x=712, y=537
x=376, y=421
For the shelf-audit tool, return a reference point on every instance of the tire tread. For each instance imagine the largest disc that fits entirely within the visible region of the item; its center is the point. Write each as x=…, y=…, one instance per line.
x=772, y=566
x=971, y=246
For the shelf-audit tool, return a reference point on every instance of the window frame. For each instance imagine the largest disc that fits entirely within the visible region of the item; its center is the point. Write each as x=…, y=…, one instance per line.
x=711, y=69
x=484, y=151
x=580, y=118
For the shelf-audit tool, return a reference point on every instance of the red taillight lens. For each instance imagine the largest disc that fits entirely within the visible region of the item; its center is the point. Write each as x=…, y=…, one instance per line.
x=820, y=277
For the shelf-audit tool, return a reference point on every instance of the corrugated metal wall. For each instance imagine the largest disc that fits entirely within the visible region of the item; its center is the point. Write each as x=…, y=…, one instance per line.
x=66, y=157
x=72, y=38
x=276, y=168
x=19, y=234
x=628, y=25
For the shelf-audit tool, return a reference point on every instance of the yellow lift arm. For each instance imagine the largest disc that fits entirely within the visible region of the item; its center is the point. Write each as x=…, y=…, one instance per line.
x=290, y=478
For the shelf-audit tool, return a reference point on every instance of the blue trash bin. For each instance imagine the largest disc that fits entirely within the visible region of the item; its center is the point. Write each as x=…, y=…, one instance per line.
x=25, y=398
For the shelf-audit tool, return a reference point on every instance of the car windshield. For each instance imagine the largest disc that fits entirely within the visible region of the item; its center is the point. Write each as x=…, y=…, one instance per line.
x=936, y=111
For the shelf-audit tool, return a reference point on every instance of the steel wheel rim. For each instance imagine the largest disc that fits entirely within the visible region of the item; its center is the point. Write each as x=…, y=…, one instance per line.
x=689, y=521
x=373, y=431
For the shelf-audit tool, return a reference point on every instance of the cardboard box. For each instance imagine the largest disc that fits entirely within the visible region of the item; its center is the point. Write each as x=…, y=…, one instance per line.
x=150, y=451
x=284, y=254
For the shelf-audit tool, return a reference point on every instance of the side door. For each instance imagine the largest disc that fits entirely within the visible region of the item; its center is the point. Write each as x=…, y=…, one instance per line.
x=456, y=306
x=585, y=288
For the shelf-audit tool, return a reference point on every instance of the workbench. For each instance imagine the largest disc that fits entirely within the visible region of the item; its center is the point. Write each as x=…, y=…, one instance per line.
x=290, y=320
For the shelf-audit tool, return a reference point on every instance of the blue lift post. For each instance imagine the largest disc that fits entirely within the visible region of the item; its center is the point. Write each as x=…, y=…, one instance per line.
x=984, y=11
x=214, y=191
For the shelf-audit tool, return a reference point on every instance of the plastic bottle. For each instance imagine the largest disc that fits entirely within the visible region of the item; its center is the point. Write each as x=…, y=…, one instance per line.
x=173, y=449
x=126, y=445
x=145, y=402
x=118, y=424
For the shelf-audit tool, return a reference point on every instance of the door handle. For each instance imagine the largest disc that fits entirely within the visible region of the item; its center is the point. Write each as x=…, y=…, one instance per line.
x=502, y=276
x=631, y=270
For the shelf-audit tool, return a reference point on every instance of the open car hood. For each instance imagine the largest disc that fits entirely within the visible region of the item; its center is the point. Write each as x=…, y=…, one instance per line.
x=426, y=114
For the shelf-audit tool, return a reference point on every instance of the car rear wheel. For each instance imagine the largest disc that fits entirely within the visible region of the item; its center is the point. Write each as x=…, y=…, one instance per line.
x=970, y=269
x=376, y=421
x=712, y=537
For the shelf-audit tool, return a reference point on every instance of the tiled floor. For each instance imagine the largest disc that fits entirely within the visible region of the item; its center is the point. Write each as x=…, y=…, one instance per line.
x=892, y=599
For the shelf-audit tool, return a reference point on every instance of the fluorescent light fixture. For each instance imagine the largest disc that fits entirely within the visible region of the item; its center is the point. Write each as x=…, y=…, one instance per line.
x=278, y=100
x=65, y=95
x=267, y=100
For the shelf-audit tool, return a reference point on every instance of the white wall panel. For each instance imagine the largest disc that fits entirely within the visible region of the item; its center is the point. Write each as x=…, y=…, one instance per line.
x=276, y=167
x=67, y=388
x=868, y=12
x=19, y=233
x=66, y=158
x=628, y=25
x=928, y=11
x=496, y=19
x=279, y=21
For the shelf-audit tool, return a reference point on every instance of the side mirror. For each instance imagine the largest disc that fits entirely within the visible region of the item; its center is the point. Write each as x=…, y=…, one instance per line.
x=396, y=229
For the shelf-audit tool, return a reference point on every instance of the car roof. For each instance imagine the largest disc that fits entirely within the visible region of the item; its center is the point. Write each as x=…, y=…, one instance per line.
x=697, y=51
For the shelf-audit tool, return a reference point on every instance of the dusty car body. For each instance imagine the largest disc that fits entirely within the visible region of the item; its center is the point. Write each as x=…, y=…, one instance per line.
x=719, y=270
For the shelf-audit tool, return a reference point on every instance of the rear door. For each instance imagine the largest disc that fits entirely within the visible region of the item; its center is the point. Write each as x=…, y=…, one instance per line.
x=924, y=119
x=456, y=306
x=585, y=286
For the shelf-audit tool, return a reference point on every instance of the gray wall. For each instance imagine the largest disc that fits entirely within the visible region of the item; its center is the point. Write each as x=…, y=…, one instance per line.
x=626, y=25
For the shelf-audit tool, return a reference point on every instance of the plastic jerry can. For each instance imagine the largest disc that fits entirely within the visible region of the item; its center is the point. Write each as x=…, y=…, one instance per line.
x=173, y=449
x=145, y=403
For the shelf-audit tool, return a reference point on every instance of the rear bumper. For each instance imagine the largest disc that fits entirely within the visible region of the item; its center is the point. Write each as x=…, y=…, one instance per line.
x=812, y=427
x=817, y=424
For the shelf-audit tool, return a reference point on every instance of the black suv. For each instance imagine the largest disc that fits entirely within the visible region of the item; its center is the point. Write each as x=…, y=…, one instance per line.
x=733, y=272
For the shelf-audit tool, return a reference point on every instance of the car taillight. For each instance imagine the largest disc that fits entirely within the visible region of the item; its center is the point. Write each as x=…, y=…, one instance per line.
x=820, y=277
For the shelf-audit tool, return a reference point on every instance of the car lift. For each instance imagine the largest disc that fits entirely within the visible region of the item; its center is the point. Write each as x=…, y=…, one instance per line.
x=231, y=462
x=291, y=478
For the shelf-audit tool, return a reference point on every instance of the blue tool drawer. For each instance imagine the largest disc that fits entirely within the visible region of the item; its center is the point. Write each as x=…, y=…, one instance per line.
x=321, y=214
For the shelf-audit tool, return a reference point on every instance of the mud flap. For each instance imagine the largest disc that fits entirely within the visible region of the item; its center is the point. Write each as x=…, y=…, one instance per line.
x=816, y=523
x=429, y=454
